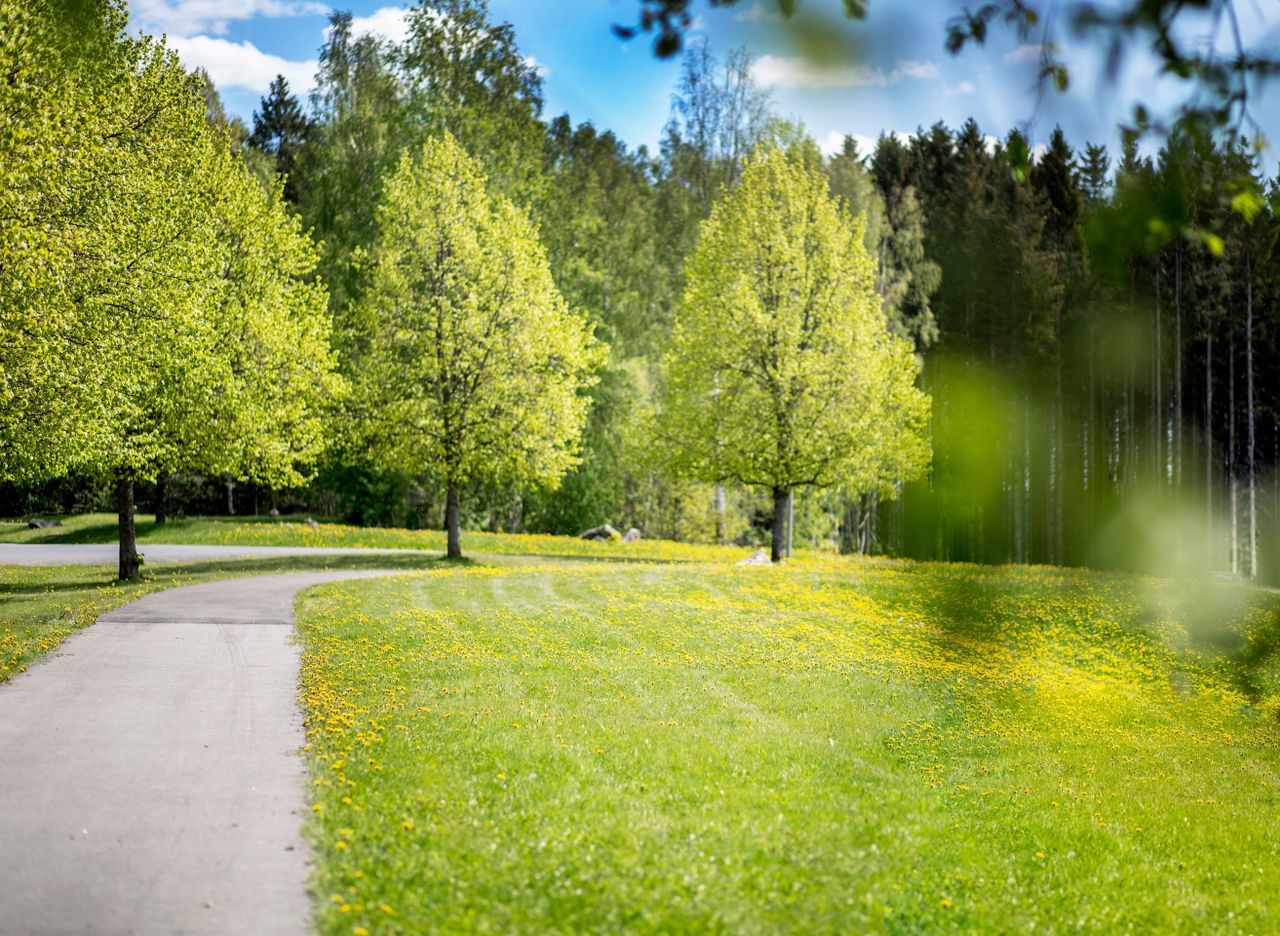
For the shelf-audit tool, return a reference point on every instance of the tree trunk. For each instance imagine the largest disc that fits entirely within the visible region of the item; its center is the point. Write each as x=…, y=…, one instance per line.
x=1160, y=460
x=1177, y=367
x=721, y=526
x=1177, y=395
x=231, y=500
x=452, y=521
x=1208, y=438
x=1057, y=472
x=162, y=493
x=1229, y=461
x=1251, y=439
x=127, y=534
x=781, y=502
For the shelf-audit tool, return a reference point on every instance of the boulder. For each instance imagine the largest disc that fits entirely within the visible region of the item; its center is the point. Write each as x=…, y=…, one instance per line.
x=602, y=532
x=273, y=513
x=632, y=535
x=759, y=557
x=42, y=524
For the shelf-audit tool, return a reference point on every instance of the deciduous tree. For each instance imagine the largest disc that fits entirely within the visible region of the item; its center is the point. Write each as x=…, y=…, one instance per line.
x=782, y=372
x=476, y=369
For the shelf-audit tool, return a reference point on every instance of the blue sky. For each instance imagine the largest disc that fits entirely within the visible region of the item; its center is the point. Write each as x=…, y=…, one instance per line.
x=892, y=73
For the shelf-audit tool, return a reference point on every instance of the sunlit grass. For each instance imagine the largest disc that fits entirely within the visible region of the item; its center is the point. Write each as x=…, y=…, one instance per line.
x=837, y=746
x=295, y=531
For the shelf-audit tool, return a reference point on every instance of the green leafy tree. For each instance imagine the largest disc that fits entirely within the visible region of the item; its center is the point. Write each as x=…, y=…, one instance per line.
x=160, y=295
x=361, y=128
x=464, y=74
x=476, y=370
x=782, y=372
x=905, y=277
x=1095, y=173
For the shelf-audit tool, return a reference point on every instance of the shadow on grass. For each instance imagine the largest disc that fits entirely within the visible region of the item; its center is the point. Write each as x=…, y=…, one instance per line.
x=78, y=578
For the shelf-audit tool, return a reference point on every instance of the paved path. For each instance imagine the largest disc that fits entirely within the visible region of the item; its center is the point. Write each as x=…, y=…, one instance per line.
x=109, y=553
x=149, y=772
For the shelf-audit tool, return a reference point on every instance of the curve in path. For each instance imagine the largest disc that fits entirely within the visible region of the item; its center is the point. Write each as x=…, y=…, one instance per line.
x=45, y=554
x=150, y=776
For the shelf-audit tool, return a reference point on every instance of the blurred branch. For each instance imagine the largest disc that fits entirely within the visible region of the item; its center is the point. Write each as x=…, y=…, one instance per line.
x=1222, y=81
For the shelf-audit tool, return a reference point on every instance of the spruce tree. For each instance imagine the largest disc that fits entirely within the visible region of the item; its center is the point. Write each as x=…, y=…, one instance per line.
x=281, y=129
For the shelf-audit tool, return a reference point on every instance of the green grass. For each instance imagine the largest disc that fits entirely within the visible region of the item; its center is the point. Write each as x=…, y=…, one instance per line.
x=545, y=744
x=835, y=746
x=294, y=531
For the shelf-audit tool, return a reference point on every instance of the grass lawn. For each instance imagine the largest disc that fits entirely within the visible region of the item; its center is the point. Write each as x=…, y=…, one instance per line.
x=294, y=531
x=835, y=746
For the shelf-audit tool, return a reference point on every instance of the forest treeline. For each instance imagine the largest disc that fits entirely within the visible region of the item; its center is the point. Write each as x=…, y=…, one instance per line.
x=1103, y=384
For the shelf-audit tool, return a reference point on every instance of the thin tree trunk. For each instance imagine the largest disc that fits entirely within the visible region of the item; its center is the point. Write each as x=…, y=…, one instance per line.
x=1057, y=472
x=231, y=498
x=721, y=526
x=1160, y=459
x=1251, y=441
x=162, y=493
x=1229, y=460
x=127, y=533
x=1177, y=367
x=781, y=502
x=452, y=521
x=1208, y=437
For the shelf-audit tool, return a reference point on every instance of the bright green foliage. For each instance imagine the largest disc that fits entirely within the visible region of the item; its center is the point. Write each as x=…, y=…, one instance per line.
x=475, y=368
x=361, y=128
x=100, y=142
x=782, y=372
x=465, y=74
x=155, y=312
x=156, y=315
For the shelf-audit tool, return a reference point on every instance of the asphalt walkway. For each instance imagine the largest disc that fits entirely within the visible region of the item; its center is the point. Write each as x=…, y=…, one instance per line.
x=44, y=554
x=150, y=775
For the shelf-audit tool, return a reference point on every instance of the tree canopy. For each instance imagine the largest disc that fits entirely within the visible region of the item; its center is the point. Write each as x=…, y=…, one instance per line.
x=158, y=313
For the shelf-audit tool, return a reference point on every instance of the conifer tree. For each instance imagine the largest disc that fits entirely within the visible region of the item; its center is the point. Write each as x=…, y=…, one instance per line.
x=281, y=129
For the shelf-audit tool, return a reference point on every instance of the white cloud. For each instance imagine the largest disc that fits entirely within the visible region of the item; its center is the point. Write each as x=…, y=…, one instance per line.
x=773, y=71
x=914, y=68
x=833, y=142
x=188, y=17
x=1027, y=52
x=391, y=23
x=542, y=70
x=964, y=87
x=242, y=64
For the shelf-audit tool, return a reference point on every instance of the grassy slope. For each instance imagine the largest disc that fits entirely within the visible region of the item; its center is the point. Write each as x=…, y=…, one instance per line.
x=40, y=607
x=835, y=746
x=831, y=746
